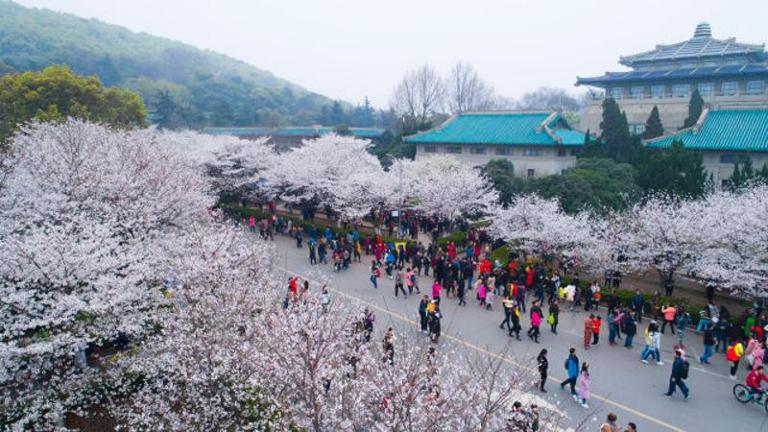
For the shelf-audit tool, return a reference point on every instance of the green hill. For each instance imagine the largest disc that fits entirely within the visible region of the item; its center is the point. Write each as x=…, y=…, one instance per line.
x=203, y=88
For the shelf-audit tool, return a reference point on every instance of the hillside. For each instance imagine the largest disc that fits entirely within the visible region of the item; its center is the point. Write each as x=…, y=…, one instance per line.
x=205, y=88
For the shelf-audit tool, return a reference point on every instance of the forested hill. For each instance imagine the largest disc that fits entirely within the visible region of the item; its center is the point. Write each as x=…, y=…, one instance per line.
x=185, y=84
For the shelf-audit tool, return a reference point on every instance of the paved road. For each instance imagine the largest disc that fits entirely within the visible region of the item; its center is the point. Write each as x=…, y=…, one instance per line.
x=620, y=382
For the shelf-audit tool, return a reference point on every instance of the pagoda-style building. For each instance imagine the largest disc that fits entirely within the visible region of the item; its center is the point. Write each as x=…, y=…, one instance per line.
x=728, y=75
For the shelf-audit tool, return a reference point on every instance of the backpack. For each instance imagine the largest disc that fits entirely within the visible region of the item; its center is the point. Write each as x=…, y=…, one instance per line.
x=685, y=369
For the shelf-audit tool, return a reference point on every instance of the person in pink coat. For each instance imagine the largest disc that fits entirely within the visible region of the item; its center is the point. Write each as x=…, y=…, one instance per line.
x=583, y=383
x=758, y=354
x=482, y=293
x=436, y=289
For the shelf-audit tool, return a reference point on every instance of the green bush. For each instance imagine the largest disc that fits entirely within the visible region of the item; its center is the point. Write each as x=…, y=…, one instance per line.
x=459, y=238
x=501, y=255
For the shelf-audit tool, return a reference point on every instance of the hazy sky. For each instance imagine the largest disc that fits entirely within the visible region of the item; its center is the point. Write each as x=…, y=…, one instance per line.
x=350, y=49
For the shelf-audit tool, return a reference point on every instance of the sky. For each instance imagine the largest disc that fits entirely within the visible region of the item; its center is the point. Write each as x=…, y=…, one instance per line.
x=350, y=49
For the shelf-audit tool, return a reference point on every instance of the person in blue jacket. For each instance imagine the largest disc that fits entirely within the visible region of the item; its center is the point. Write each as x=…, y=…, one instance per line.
x=572, y=366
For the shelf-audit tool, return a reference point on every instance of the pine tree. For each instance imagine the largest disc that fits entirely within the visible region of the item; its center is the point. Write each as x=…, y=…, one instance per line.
x=695, y=107
x=653, y=126
x=615, y=132
x=736, y=179
x=747, y=171
x=762, y=175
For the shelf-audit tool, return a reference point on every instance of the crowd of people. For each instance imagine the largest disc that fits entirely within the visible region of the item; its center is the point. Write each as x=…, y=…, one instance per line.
x=527, y=286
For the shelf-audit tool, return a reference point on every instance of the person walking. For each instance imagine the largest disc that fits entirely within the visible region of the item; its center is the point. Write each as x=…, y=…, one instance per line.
x=572, y=367
x=683, y=319
x=375, y=274
x=733, y=355
x=515, y=317
x=588, y=331
x=389, y=346
x=597, y=322
x=461, y=294
x=535, y=314
x=709, y=344
x=434, y=321
x=543, y=366
x=638, y=302
x=583, y=385
x=613, y=327
x=436, y=290
x=423, y=318
x=410, y=277
x=679, y=374
x=399, y=283
x=507, y=306
x=630, y=329
x=553, y=319
x=669, y=313
x=652, y=344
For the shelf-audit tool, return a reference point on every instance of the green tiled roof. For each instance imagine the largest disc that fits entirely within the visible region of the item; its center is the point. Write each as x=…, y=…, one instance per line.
x=731, y=130
x=501, y=128
x=295, y=131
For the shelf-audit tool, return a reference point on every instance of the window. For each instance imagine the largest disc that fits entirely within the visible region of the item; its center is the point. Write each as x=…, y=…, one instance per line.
x=680, y=90
x=531, y=173
x=636, y=92
x=503, y=151
x=532, y=152
x=706, y=89
x=430, y=149
x=637, y=129
x=756, y=87
x=453, y=149
x=477, y=150
x=657, y=91
x=617, y=92
x=562, y=152
x=729, y=88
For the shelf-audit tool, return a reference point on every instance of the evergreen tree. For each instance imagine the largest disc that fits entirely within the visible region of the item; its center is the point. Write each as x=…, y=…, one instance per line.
x=736, y=180
x=166, y=111
x=653, y=126
x=695, y=107
x=337, y=113
x=747, y=171
x=762, y=175
x=615, y=136
x=674, y=170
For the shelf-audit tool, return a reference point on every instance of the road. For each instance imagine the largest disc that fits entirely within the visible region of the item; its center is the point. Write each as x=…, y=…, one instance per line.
x=620, y=382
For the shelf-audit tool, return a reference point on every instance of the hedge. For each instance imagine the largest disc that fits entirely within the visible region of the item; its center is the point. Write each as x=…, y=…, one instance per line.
x=625, y=298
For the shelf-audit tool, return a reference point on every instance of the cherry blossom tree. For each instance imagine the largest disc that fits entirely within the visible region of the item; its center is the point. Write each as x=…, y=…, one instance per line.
x=735, y=229
x=82, y=210
x=444, y=187
x=202, y=371
x=234, y=165
x=539, y=226
x=332, y=170
x=664, y=234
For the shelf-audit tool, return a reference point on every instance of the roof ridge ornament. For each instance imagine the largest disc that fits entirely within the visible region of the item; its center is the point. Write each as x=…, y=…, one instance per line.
x=703, y=30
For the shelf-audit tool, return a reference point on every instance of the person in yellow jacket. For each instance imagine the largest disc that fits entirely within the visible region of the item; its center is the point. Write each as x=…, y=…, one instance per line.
x=733, y=354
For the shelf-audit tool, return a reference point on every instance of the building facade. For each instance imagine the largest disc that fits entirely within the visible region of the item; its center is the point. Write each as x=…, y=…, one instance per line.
x=727, y=74
x=288, y=137
x=537, y=143
x=724, y=138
